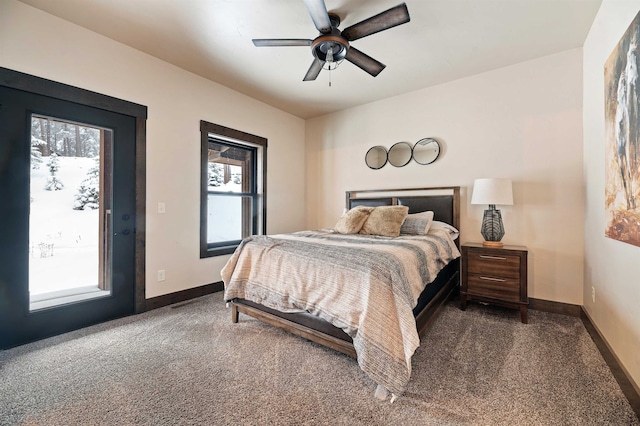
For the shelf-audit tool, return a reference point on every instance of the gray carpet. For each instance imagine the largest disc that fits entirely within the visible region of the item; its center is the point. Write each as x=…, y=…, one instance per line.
x=188, y=364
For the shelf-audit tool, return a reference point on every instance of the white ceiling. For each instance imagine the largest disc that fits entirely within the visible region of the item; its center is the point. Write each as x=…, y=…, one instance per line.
x=445, y=40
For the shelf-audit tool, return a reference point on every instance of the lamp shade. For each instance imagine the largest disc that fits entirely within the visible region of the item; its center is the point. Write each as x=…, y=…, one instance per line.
x=492, y=191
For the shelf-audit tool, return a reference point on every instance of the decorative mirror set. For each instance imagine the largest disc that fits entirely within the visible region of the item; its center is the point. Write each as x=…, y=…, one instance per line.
x=425, y=151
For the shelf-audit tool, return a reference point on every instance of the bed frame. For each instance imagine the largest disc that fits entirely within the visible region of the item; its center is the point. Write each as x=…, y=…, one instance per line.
x=444, y=202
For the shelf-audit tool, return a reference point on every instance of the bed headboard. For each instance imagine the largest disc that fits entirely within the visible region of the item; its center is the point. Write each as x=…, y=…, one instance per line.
x=443, y=201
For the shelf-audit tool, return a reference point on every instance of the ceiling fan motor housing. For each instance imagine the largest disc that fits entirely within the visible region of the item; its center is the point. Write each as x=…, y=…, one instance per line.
x=334, y=41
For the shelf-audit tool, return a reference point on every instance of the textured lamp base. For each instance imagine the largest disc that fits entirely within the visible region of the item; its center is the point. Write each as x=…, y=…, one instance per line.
x=492, y=229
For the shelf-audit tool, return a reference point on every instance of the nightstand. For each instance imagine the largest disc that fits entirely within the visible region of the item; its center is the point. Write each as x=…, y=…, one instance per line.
x=495, y=275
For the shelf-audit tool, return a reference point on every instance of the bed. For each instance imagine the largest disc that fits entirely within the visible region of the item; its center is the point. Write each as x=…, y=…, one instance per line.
x=381, y=325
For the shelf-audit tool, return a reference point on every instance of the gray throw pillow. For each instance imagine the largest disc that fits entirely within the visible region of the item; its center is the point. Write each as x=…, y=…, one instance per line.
x=417, y=223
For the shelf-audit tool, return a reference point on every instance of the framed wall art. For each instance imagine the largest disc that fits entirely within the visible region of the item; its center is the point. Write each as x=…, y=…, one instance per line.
x=622, y=132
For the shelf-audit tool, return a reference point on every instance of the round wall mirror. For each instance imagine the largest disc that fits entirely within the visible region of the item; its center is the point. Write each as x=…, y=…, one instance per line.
x=400, y=154
x=376, y=157
x=426, y=151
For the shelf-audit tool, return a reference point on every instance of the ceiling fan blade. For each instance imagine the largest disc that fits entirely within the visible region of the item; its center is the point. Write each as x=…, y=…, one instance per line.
x=383, y=21
x=319, y=15
x=314, y=70
x=274, y=42
x=364, y=61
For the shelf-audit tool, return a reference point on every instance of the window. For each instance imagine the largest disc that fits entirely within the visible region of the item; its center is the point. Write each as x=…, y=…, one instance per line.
x=233, y=188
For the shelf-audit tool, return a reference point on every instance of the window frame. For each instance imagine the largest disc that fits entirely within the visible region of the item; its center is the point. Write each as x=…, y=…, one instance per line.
x=210, y=132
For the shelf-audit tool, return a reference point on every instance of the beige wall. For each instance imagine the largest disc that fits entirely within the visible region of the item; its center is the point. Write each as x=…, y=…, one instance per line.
x=37, y=43
x=522, y=122
x=611, y=267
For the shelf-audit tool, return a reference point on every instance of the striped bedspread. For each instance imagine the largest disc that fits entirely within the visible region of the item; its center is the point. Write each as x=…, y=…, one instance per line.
x=366, y=285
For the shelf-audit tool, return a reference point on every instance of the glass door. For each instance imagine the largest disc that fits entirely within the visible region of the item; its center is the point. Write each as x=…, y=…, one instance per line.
x=70, y=212
x=67, y=215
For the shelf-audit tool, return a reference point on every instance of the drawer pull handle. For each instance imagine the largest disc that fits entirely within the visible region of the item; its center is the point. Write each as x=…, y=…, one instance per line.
x=484, y=256
x=492, y=279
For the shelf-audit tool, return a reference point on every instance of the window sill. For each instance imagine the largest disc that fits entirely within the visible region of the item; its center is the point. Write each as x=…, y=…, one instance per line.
x=217, y=251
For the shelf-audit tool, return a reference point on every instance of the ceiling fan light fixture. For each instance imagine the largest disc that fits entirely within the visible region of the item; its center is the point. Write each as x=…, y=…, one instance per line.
x=330, y=66
x=330, y=54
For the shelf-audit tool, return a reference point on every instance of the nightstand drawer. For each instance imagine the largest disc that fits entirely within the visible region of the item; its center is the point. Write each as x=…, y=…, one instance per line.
x=493, y=265
x=492, y=286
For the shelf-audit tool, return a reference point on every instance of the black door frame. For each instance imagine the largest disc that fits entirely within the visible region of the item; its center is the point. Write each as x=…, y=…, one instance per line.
x=40, y=86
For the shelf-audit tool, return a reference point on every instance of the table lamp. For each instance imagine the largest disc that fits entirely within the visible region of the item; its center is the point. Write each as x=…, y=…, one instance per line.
x=492, y=192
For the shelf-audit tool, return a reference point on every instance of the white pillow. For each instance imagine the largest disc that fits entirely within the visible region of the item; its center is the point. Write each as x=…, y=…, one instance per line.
x=435, y=225
x=417, y=223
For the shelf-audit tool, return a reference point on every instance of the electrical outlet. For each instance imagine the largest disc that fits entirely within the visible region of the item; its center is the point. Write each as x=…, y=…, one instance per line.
x=161, y=275
x=593, y=294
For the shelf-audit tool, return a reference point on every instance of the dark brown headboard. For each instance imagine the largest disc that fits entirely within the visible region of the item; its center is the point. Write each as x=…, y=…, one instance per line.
x=443, y=201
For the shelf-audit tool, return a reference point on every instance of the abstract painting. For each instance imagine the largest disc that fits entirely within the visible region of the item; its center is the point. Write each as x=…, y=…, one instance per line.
x=622, y=130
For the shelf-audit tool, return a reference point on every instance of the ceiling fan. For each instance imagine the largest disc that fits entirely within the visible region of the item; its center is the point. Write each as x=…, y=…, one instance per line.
x=332, y=45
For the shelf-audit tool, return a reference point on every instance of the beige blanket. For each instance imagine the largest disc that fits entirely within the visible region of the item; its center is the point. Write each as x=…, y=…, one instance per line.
x=366, y=285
